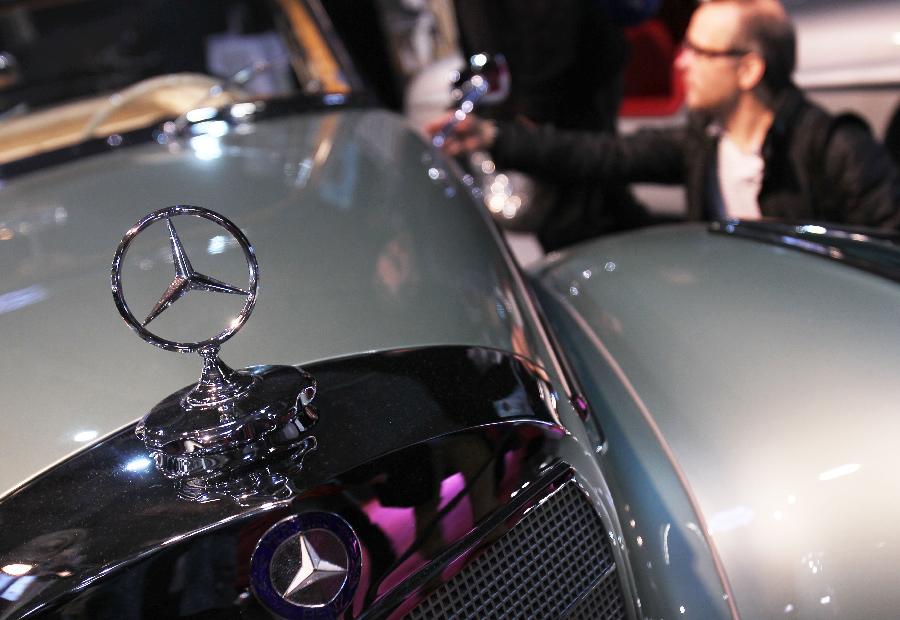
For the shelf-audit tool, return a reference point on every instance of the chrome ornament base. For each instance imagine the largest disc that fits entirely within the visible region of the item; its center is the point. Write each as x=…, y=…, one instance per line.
x=254, y=486
x=243, y=449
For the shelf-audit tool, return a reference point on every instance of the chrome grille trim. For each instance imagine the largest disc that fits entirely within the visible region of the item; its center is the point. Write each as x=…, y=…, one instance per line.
x=556, y=562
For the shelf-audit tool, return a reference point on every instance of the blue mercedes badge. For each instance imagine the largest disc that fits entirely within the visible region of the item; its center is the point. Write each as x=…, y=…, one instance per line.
x=307, y=566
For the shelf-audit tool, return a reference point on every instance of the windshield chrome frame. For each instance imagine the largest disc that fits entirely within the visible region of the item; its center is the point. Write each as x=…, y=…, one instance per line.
x=873, y=251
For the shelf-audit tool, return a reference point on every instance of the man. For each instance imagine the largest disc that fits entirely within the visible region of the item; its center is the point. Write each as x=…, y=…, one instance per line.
x=753, y=145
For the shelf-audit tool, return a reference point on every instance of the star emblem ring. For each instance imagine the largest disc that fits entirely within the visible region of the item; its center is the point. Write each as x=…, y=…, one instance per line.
x=186, y=279
x=307, y=566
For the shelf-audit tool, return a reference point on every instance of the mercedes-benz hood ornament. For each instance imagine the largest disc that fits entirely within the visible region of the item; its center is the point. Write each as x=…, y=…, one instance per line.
x=214, y=437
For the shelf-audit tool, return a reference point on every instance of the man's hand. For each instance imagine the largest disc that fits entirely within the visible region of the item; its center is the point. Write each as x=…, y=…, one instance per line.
x=466, y=135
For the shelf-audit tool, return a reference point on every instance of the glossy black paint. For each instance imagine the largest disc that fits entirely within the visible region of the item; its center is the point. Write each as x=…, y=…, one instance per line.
x=416, y=447
x=409, y=526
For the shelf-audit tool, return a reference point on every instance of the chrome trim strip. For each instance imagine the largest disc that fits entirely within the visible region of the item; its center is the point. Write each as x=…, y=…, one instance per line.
x=873, y=251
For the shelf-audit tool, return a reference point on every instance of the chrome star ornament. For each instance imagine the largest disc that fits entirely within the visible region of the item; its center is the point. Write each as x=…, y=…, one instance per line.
x=239, y=434
x=218, y=383
x=312, y=569
x=307, y=566
x=186, y=279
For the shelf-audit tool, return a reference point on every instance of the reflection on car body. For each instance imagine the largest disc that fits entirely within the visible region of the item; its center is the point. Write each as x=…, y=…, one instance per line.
x=674, y=422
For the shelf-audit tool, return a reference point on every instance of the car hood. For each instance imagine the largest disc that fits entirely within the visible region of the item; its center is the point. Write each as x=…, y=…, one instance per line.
x=362, y=246
x=771, y=374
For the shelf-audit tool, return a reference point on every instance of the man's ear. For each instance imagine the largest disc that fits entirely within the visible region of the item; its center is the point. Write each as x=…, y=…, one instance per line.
x=751, y=69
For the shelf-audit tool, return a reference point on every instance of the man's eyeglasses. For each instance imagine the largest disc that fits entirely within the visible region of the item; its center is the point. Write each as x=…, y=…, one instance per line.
x=705, y=52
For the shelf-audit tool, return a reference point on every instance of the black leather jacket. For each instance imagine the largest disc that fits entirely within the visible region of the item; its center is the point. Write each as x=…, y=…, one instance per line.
x=817, y=167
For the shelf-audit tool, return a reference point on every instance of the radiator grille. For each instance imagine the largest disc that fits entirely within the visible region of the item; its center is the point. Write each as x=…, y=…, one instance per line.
x=558, y=553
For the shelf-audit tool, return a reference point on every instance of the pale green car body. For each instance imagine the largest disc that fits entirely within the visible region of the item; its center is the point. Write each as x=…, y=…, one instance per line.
x=745, y=390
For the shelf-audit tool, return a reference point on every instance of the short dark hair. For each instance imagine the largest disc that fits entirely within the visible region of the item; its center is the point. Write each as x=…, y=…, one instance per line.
x=770, y=34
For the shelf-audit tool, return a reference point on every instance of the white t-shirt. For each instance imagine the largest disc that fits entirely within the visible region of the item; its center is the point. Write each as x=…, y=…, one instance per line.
x=740, y=179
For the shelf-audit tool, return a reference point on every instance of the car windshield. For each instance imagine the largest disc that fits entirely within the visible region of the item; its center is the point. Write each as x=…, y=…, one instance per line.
x=88, y=68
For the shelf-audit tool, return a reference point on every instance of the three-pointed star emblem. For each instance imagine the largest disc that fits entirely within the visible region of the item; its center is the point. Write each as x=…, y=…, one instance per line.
x=312, y=569
x=186, y=279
